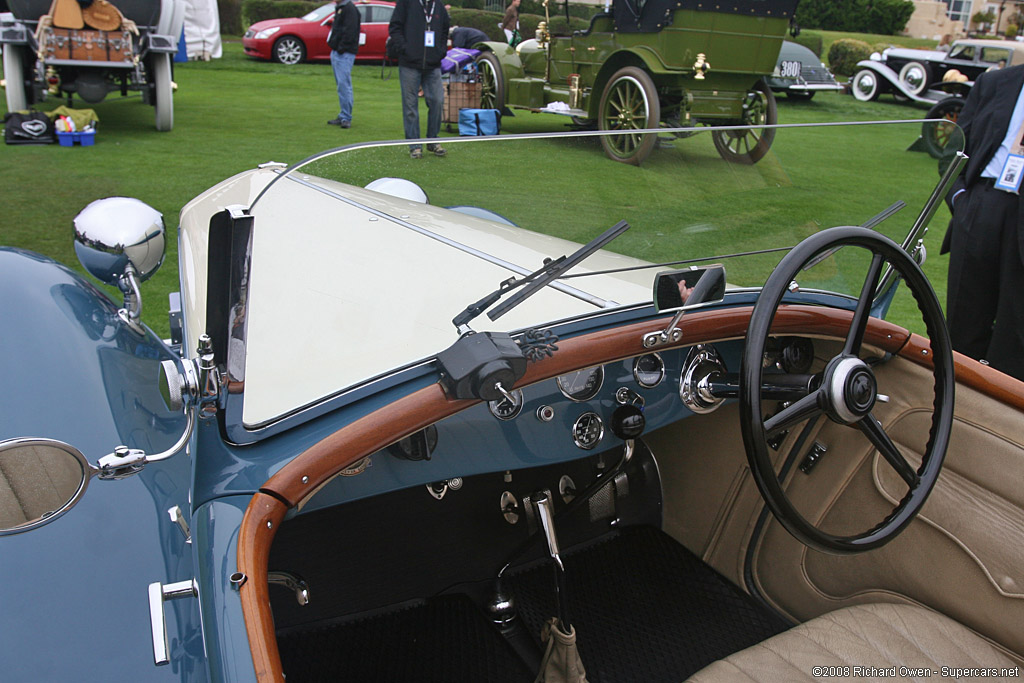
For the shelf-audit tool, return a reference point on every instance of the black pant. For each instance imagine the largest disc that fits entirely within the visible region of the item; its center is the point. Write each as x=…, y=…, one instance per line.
x=985, y=296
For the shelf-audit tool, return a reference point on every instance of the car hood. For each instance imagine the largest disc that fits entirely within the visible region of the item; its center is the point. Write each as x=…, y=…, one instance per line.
x=270, y=23
x=908, y=53
x=339, y=261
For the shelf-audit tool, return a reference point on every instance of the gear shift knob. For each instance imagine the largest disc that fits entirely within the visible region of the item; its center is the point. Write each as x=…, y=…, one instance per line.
x=627, y=422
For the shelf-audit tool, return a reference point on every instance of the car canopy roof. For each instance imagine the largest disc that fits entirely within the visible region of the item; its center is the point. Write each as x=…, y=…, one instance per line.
x=650, y=16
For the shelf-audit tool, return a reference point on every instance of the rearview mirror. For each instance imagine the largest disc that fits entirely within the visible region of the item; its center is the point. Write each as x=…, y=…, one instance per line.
x=675, y=289
x=40, y=480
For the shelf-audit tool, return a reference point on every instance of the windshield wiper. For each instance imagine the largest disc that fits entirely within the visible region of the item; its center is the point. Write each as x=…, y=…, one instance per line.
x=550, y=271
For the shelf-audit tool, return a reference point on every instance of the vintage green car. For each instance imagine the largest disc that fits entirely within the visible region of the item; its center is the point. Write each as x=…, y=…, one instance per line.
x=644, y=64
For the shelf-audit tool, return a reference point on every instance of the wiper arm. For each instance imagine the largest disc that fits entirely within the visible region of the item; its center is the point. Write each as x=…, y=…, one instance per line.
x=550, y=271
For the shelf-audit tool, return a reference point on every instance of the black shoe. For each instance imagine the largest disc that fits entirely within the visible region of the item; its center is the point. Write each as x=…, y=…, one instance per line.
x=337, y=122
x=346, y=124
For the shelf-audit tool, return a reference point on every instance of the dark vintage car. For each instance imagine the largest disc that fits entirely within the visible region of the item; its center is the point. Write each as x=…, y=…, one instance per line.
x=299, y=39
x=800, y=73
x=392, y=441
x=927, y=76
x=643, y=64
x=42, y=60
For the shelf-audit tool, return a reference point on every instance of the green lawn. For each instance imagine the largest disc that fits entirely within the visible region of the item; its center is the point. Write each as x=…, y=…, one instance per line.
x=234, y=113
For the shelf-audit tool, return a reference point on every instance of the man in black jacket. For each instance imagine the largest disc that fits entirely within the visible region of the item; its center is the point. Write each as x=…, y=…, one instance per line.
x=418, y=38
x=985, y=239
x=344, y=43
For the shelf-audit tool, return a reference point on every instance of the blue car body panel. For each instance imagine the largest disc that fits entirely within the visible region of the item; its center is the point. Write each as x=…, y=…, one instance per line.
x=93, y=386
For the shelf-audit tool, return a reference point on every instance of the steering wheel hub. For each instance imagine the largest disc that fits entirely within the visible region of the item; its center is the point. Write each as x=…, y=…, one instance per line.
x=852, y=390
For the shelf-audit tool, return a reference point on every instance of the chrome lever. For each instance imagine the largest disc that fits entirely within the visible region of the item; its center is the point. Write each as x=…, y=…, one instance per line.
x=292, y=582
x=158, y=594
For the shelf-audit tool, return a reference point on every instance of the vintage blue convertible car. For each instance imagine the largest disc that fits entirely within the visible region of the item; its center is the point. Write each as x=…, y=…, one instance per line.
x=400, y=434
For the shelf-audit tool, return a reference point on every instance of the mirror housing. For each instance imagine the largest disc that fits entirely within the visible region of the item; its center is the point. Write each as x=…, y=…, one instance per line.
x=121, y=242
x=683, y=290
x=40, y=480
x=675, y=289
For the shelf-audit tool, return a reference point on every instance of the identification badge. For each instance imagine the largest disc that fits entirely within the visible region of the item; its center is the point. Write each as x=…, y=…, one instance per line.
x=362, y=39
x=428, y=39
x=1009, y=177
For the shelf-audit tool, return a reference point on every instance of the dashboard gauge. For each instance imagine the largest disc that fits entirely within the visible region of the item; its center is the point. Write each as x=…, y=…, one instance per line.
x=581, y=385
x=504, y=409
x=588, y=430
x=649, y=370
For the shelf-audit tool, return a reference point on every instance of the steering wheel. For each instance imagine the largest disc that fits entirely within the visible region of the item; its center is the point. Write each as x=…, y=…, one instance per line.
x=847, y=391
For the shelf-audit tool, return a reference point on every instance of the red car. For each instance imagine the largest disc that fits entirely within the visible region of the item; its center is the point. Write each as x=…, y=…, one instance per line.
x=294, y=40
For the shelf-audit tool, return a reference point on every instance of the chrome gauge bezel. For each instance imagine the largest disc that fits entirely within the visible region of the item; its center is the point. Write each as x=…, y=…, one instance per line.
x=517, y=396
x=661, y=374
x=587, y=445
x=597, y=370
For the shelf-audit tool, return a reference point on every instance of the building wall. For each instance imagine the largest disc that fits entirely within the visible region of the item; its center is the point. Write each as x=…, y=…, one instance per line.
x=931, y=20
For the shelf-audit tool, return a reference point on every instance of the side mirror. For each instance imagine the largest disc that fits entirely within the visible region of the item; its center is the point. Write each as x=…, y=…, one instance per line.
x=682, y=290
x=121, y=241
x=674, y=289
x=40, y=480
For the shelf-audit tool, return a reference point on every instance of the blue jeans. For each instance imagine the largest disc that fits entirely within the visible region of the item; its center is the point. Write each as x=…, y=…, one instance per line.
x=342, y=63
x=411, y=80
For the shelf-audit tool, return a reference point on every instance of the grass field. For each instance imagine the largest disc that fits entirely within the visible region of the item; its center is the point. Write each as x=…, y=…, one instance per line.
x=232, y=114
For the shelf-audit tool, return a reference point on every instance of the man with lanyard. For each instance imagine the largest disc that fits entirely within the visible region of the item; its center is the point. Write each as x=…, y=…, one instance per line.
x=985, y=239
x=418, y=35
x=344, y=43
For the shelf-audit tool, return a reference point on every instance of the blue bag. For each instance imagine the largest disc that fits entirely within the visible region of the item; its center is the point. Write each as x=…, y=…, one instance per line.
x=479, y=122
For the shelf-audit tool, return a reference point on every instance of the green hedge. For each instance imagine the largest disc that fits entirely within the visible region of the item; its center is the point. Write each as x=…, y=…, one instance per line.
x=845, y=53
x=261, y=10
x=885, y=17
x=809, y=39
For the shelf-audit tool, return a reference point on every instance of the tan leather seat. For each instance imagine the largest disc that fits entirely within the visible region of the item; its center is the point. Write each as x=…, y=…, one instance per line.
x=906, y=637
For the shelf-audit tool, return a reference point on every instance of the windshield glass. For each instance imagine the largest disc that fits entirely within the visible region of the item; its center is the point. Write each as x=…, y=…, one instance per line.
x=319, y=13
x=354, y=282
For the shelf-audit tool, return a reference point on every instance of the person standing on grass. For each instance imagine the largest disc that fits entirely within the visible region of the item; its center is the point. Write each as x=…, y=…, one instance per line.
x=510, y=24
x=344, y=43
x=418, y=39
x=985, y=238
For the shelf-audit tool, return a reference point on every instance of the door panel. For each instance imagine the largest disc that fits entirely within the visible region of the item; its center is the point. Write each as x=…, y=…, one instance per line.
x=963, y=556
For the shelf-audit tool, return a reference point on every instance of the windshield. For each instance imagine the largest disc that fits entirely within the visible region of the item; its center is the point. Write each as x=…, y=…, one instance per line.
x=354, y=282
x=319, y=13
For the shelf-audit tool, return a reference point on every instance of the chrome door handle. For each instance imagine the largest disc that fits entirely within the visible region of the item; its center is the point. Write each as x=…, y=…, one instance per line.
x=158, y=593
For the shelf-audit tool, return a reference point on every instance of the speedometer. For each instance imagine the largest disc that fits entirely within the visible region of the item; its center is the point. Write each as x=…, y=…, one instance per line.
x=581, y=385
x=588, y=430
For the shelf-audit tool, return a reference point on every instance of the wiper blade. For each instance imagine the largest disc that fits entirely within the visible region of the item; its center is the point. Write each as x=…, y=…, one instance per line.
x=550, y=271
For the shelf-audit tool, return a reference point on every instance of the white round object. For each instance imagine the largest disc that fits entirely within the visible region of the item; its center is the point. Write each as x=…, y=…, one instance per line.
x=399, y=187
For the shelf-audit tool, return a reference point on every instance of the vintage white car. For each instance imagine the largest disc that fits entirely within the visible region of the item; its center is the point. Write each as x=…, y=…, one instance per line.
x=400, y=434
x=928, y=76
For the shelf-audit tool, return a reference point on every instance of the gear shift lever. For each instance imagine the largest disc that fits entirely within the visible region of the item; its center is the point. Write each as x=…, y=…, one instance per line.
x=547, y=522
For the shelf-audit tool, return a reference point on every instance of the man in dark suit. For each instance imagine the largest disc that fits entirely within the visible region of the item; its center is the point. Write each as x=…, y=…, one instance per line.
x=985, y=239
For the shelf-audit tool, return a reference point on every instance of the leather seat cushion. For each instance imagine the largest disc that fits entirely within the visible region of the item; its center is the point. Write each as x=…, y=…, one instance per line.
x=873, y=635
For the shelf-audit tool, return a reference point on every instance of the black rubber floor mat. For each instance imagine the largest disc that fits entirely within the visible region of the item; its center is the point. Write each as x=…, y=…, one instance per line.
x=645, y=608
x=442, y=640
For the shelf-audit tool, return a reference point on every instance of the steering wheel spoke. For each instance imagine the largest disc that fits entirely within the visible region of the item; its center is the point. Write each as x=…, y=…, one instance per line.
x=860, y=317
x=807, y=407
x=872, y=428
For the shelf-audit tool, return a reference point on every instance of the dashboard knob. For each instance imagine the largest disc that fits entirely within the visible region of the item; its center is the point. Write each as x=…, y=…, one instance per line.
x=627, y=422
